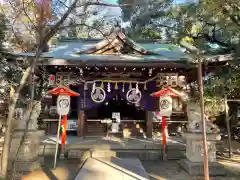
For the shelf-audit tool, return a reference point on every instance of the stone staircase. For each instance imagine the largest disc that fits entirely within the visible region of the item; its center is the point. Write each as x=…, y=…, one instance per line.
x=95, y=129
x=79, y=151
x=141, y=154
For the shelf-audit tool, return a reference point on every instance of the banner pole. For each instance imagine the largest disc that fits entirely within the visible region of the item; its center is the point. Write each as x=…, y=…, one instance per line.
x=57, y=142
x=63, y=136
x=164, y=138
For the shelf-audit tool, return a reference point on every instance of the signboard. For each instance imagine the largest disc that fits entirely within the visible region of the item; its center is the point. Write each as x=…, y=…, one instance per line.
x=51, y=80
x=63, y=104
x=116, y=115
x=165, y=106
x=71, y=125
x=19, y=114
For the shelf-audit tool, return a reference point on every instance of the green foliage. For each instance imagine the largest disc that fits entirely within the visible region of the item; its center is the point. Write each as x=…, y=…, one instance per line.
x=203, y=24
x=2, y=30
x=225, y=80
x=213, y=26
x=148, y=33
x=11, y=69
x=214, y=105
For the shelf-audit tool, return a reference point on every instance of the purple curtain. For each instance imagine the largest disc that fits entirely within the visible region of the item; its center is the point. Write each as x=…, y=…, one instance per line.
x=147, y=102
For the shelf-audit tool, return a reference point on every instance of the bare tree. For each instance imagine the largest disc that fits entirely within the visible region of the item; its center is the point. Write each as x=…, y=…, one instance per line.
x=43, y=33
x=40, y=22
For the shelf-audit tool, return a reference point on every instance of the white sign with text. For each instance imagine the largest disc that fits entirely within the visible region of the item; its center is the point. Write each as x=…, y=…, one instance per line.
x=116, y=115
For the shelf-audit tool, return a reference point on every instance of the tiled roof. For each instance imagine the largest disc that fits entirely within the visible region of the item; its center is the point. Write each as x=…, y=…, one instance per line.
x=148, y=51
x=68, y=50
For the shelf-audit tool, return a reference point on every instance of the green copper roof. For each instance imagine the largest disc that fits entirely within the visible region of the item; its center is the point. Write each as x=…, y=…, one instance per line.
x=68, y=50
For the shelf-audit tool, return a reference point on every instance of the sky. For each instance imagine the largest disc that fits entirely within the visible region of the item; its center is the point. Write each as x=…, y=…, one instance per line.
x=117, y=10
x=112, y=12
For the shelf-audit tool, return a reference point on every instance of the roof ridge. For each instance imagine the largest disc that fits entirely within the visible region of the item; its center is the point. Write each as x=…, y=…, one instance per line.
x=94, y=40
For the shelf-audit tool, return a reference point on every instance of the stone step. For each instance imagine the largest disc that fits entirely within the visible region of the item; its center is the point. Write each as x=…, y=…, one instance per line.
x=95, y=134
x=96, y=128
x=143, y=155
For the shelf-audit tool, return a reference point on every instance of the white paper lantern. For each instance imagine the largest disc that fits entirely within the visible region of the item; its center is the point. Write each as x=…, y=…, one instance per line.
x=165, y=106
x=63, y=104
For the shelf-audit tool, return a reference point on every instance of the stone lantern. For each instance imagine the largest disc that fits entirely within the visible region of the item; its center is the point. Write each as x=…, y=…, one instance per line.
x=193, y=163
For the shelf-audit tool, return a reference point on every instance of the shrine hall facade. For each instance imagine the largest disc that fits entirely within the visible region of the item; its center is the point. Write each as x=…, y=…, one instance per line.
x=115, y=78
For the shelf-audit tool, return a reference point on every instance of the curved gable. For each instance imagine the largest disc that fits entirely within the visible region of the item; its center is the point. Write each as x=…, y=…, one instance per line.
x=117, y=43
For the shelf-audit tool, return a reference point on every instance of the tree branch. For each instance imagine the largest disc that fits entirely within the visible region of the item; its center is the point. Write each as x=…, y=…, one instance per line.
x=105, y=4
x=234, y=18
x=209, y=38
x=54, y=29
x=24, y=10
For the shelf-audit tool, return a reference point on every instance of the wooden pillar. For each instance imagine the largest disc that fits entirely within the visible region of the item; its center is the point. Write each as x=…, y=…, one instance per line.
x=149, y=124
x=81, y=123
x=81, y=114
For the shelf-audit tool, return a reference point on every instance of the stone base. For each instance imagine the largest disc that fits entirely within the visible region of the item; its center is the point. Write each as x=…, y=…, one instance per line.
x=197, y=169
x=61, y=156
x=26, y=166
x=30, y=148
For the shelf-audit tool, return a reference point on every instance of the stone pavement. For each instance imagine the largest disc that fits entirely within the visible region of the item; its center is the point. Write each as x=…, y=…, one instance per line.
x=112, y=168
x=156, y=170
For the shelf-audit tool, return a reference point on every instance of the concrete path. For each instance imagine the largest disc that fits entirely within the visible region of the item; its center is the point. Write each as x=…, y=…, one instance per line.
x=112, y=168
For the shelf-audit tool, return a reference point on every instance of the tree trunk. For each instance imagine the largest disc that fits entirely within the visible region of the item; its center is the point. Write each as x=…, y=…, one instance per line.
x=7, y=135
x=11, y=112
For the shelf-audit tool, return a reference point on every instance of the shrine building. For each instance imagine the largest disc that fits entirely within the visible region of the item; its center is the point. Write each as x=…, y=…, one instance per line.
x=115, y=78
